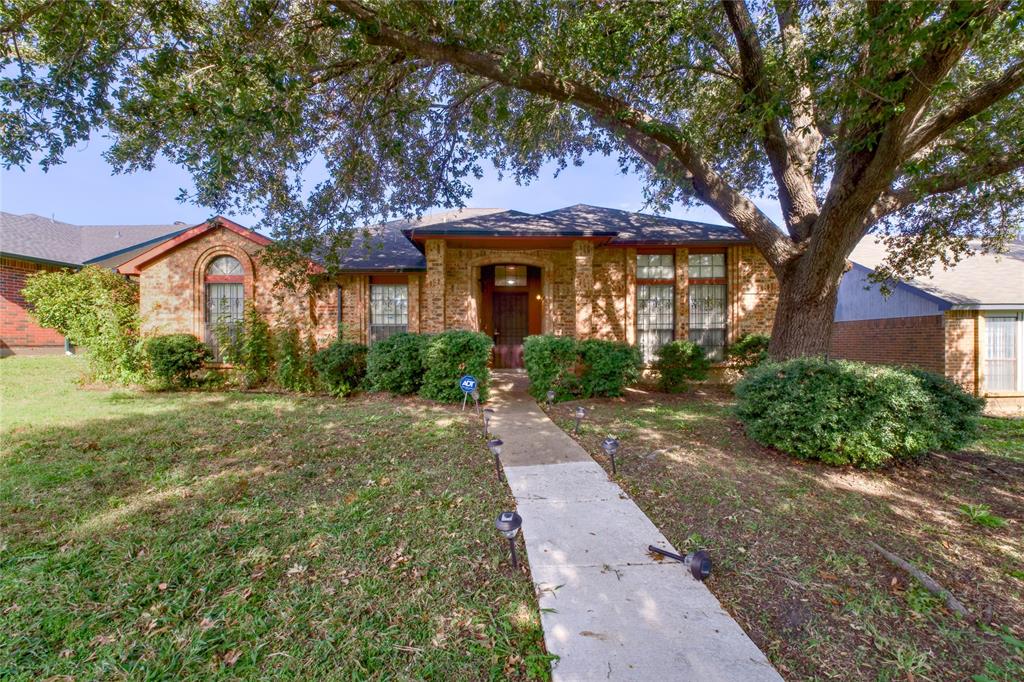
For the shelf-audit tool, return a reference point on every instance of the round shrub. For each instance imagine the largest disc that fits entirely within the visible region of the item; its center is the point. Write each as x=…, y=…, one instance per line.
x=679, y=363
x=608, y=367
x=395, y=364
x=840, y=412
x=341, y=367
x=551, y=365
x=959, y=411
x=750, y=350
x=174, y=357
x=450, y=355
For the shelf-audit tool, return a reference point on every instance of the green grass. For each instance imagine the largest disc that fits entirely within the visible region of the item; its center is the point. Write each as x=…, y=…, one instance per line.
x=234, y=535
x=1003, y=437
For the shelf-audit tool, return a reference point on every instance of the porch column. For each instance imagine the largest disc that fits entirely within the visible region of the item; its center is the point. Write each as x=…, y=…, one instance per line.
x=432, y=319
x=583, y=283
x=682, y=258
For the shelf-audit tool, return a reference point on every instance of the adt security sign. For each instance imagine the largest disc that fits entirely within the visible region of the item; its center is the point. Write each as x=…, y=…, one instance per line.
x=467, y=384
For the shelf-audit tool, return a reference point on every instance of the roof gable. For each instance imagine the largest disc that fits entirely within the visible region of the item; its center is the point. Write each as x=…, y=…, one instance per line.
x=134, y=266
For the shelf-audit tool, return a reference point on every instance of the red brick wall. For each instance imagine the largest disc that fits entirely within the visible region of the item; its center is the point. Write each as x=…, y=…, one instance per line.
x=918, y=341
x=18, y=331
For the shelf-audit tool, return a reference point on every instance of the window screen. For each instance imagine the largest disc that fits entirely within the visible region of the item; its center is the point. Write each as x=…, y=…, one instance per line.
x=707, y=318
x=655, y=320
x=510, y=275
x=1001, y=350
x=389, y=310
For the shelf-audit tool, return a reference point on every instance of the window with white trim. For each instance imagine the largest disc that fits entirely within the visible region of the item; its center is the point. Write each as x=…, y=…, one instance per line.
x=708, y=303
x=389, y=310
x=655, y=303
x=1004, y=370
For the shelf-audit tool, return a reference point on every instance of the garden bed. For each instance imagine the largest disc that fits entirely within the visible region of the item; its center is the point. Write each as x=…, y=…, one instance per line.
x=246, y=535
x=790, y=539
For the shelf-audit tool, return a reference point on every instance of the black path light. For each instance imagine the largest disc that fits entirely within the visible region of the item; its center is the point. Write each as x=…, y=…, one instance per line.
x=488, y=413
x=495, y=446
x=611, y=446
x=698, y=562
x=581, y=412
x=508, y=524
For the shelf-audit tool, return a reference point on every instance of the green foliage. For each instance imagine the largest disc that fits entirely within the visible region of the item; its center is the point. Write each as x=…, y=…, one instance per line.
x=96, y=309
x=583, y=369
x=174, y=357
x=551, y=364
x=450, y=355
x=841, y=412
x=249, y=347
x=981, y=514
x=750, y=350
x=608, y=367
x=960, y=421
x=294, y=369
x=395, y=364
x=341, y=367
x=679, y=363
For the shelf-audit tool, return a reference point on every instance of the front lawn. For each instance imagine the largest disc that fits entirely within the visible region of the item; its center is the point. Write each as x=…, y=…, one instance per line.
x=790, y=540
x=244, y=535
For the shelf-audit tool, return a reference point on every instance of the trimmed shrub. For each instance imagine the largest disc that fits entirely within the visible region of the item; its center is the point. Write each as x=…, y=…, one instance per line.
x=679, y=363
x=749, y=351
x=551, y=364
x=341, y=367
x=450, y=355
x=608, y=367
x=959, y=411
x=294, y=360
x=395, y=364
x=97, y=309
x=842, y=412
x=174, y=357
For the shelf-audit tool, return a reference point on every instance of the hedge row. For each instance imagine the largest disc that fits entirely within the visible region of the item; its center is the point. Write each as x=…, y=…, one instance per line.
x=430, y=364
x=579, y=369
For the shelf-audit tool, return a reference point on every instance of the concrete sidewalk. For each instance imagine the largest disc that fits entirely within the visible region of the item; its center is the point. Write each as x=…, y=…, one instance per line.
x=609, y=611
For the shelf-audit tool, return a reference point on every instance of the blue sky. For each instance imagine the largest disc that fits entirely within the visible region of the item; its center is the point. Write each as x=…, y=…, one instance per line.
x=84, y=191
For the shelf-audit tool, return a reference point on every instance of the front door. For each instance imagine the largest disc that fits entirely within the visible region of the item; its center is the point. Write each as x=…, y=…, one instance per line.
x=511, y=322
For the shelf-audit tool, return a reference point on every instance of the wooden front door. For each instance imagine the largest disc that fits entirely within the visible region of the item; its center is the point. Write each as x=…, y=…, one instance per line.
x=511, y=324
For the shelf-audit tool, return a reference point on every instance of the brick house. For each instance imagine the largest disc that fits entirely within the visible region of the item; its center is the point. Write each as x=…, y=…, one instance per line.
x=966, y=322
x=580, y=271
x=31, y=243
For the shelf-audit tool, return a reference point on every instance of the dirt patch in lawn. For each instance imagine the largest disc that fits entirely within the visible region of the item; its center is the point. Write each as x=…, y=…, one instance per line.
x=790, y=540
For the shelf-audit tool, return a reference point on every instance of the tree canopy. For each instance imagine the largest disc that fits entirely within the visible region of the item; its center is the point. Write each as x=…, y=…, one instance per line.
x=905, y=118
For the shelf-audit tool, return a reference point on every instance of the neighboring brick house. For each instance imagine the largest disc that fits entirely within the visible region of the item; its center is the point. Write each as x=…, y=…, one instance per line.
x=31, y=243
x=580, y=271
x=966, y=322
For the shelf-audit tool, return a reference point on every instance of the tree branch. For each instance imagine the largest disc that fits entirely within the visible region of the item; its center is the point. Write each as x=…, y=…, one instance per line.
x=609, y=112
x=796, y=188
x=976, y=101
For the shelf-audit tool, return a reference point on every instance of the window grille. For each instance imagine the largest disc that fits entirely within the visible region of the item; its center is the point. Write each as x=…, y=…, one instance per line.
x=708, y=303
x=655, y=266
x=389, y=310
x=655, y=318
x=225, y=306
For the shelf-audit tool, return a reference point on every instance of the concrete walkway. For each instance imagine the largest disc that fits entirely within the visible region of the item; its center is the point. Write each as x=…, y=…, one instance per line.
x=609, y=611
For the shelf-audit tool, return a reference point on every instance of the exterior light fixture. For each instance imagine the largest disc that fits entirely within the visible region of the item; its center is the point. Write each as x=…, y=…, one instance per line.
x=495, y=446
x=698, y=562
x=508, y=524
x=488, y=413
x=476, y=398
x=551, y=398
x=611, y=446
x=581, y=412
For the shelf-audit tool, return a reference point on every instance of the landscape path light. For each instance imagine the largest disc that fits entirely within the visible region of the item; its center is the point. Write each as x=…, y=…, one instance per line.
x=488, y=413
x=698, y=562
x=508, y=524
x=611, y=446
x=581, y=412
x=495, y=446
x=551, y=398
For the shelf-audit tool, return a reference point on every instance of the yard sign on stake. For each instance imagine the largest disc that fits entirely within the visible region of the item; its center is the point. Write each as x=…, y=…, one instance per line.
x=468, y=385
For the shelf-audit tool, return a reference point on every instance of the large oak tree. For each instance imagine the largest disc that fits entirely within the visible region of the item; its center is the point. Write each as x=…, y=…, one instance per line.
x=903, y=118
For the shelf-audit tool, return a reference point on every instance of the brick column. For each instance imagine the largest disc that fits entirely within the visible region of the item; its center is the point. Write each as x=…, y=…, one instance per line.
x=583, y=284
x=432, y=319
x=631, y=297
x=733, y=293
x=414, y=302
x=682, y=262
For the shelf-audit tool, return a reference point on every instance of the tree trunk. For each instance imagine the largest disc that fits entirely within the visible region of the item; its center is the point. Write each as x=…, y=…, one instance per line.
x=803, y=318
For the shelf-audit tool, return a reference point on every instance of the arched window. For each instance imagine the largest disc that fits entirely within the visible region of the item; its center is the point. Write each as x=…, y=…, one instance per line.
x=225, y=299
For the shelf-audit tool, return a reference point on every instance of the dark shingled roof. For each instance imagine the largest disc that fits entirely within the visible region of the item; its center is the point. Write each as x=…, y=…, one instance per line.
x=642, y=228
x=43, y=239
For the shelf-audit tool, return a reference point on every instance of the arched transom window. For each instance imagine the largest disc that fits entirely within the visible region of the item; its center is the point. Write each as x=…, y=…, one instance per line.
x=225, y=300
